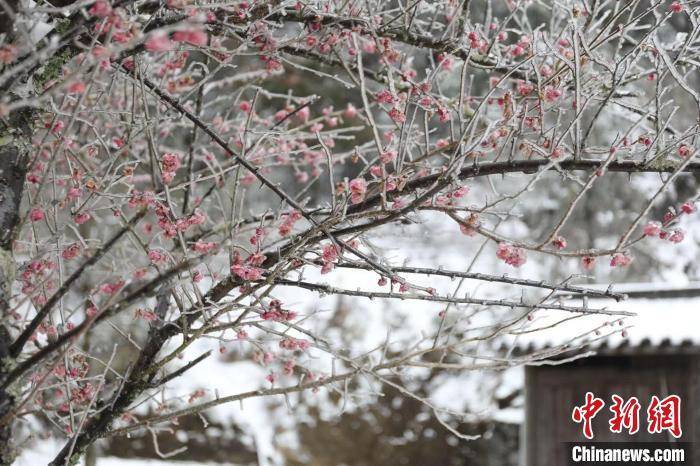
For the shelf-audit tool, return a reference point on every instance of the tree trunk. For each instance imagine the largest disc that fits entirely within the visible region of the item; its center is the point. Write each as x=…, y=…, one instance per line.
x=91, y=455
x=12, y=175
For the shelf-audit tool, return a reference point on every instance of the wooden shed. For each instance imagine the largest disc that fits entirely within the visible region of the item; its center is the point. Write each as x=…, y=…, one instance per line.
x=656, y=353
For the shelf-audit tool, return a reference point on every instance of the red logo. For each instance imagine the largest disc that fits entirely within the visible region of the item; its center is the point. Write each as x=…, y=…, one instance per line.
x=625, y=415
x=665, y=415
x=662, y=415
x=585, y=414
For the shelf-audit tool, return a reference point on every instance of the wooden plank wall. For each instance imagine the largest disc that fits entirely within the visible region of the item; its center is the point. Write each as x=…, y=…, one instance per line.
x=553, y=391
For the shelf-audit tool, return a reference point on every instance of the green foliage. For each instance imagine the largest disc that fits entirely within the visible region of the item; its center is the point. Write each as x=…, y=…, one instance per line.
x=52, y=70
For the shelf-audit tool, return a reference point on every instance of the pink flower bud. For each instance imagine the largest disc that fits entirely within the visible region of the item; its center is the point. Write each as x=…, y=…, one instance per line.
x=159, y=42
x=688, y=208
x=358, y=188
x=36, y=214
x=652, y=229
x=350, y=111
x=620, y=259
x=100, y=9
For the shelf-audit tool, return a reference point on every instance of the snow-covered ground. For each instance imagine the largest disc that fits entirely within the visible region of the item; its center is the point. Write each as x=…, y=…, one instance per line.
x=43, y=452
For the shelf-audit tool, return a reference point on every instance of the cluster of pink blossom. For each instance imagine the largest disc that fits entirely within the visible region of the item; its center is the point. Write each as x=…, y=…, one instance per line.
x=661, y=229
x=36, y=274
x=169, y=164
x=204, y=247
x=276, y=313
x=511, y=255
x=172, y=227
x=358, y=189
x=292, y=344
x=288, y=221
x=111, y=288
x=157, y=255
x=71, y=252
x=248, y=270
x=471, y=225
x=329, y=256
x=620, y=259
x=77, y=392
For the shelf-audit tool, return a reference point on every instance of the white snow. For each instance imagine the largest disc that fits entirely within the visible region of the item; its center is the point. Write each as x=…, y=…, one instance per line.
x=42, y=452
x=655, y=320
